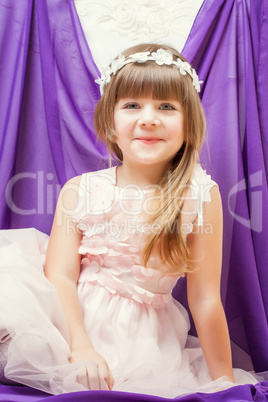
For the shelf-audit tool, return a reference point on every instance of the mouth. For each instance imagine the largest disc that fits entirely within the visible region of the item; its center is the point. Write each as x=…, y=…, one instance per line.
x=148, y=140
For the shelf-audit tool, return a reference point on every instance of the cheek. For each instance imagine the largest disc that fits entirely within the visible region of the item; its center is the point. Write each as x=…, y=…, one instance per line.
x=116, y=120
x=180, y=126
x=119, y=126
x=119, y=139
x=176, y=130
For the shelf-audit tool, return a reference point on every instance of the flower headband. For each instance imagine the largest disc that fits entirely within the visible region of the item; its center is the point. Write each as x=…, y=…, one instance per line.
x=160, y=57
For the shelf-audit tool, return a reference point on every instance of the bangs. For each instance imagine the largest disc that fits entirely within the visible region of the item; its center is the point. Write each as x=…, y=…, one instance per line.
x=138, y=80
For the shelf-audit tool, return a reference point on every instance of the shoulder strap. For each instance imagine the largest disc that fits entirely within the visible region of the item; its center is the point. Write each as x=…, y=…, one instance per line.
x=201, y=184
x=89, y=184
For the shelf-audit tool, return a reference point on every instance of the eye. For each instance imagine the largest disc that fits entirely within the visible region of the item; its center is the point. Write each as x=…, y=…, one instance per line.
x=166, y=106
x=132, y=105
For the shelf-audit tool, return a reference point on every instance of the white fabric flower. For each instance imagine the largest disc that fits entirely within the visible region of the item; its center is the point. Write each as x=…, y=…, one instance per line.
x=162, y=57
x=141, y=57
x=106, y=75
x=196, y=82
x=104, y=79
x=180, y=66
x=187, y=67
x=118, y=63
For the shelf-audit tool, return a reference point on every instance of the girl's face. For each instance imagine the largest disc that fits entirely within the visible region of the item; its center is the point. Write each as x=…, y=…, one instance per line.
x=149, y=131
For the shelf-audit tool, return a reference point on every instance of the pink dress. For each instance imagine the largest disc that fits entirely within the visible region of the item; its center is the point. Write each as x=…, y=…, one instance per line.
x=129, y=312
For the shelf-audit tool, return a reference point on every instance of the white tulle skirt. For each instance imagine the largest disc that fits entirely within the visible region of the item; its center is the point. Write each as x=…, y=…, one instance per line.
x=148, y=350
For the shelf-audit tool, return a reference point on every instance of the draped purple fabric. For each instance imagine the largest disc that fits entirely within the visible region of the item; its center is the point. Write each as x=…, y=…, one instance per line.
x=230, y=54
x=240, y=393
x=48, y=96
x=47, y=100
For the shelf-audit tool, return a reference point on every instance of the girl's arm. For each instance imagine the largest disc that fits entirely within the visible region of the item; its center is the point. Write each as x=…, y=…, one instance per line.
x=62, y=268
x=203, y=289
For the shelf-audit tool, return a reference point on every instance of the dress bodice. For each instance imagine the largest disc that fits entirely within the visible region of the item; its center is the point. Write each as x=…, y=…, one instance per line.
x=114, y=234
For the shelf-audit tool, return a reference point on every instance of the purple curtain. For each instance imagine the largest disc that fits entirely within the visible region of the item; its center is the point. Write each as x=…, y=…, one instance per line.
x=47, y=100
x=228, y=45
x=240, y=393
x=47, y=96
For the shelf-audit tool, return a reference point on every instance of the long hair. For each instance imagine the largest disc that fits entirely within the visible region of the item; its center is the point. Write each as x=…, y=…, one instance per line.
x=162, y=83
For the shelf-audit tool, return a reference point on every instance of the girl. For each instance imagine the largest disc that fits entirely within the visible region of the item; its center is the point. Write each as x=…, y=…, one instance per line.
x=120, y=240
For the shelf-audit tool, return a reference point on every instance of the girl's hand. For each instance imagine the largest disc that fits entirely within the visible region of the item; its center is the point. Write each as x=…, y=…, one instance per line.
x=88, y=376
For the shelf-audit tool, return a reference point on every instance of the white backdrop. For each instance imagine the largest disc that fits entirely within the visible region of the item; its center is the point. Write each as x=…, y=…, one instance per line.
x=111, y=26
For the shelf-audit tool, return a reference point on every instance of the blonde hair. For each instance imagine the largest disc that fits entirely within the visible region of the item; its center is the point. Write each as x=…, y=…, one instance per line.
x=161, y=82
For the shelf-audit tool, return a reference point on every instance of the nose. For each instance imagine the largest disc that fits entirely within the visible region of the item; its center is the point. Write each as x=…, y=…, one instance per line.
x=148, y=117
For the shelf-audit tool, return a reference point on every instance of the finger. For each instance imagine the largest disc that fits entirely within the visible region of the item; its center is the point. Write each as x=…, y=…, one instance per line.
x=103, y=369
x=93, y=377
x=81, y=377
x=106, y=374
x=88, y=376
x=111, y=380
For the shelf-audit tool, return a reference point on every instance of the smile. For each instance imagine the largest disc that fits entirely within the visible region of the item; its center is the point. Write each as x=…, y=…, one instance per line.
x=148, y=140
